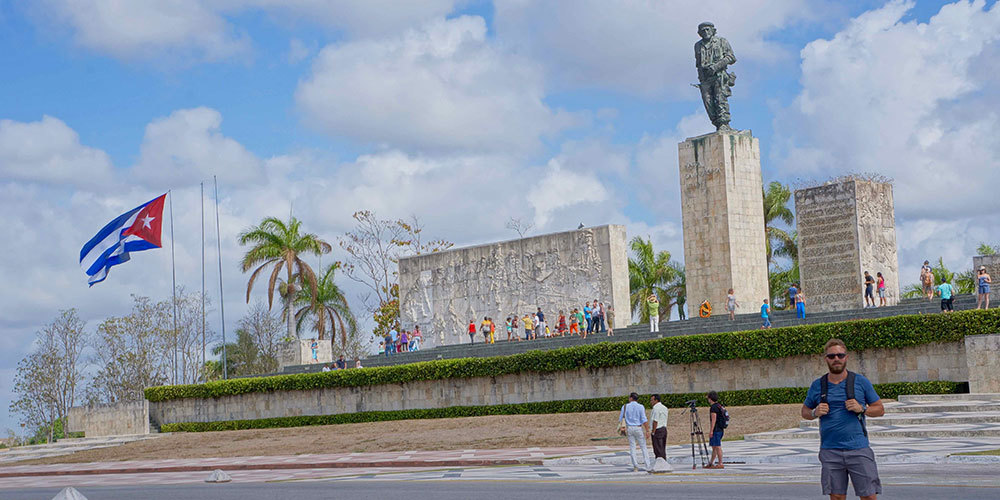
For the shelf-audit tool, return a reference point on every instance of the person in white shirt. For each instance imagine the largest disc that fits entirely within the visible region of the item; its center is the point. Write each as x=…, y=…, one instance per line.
x=659, y=426
x=636, y=428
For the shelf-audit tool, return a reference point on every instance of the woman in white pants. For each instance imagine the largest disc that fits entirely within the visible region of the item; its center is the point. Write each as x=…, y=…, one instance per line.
x=653, y=304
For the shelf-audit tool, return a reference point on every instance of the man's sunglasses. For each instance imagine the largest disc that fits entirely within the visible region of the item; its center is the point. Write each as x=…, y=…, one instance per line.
x=837, y=355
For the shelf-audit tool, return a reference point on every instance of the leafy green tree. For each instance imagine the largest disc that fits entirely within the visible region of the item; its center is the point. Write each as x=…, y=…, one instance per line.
x=280, y=245
x=779, y=242
x=649, y=272
x=986, y=249
x=964, y=282
x=328, y=310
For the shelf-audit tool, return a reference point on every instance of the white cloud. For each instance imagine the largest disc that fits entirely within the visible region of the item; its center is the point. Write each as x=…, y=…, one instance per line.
x=203, y=29
x=443, y=87
x=561, y=188
x=48, y=151
x=298, y=51
x=641, y=46
x=905, y=99
x=187, y=147
x=138, y=29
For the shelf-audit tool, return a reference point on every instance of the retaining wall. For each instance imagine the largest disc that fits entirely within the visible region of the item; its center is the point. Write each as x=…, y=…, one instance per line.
x=973, y=360
x=121, y=419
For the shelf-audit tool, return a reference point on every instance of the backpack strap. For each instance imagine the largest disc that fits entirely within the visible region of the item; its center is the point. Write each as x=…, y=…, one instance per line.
x=824, y=388
x=851, y=376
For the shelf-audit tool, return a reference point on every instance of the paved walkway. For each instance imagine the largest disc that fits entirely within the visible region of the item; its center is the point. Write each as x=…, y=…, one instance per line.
x=398, y=459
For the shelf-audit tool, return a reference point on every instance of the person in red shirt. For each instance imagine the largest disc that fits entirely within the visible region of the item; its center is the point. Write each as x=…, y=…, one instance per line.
x=561, y=328
x=472, y=332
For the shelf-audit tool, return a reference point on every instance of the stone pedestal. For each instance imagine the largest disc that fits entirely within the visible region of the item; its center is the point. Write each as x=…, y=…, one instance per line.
x=983, y=363
x=723, y=219
x=299, y=352
x=845, y=228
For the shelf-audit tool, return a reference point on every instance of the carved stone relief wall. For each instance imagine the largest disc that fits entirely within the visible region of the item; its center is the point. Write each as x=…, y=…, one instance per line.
x=442, y=291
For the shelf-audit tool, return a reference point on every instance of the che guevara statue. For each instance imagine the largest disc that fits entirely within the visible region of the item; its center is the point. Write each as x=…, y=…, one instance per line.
x=712, y=56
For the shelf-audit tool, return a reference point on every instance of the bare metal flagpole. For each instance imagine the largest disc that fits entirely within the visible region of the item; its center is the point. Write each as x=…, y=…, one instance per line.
x=173, y=277
x=222, y=301
x=204, y=347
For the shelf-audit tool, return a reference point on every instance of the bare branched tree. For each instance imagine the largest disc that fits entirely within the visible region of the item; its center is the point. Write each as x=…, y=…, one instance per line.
x=133, y=352
x=519, y=226
x=47, y=379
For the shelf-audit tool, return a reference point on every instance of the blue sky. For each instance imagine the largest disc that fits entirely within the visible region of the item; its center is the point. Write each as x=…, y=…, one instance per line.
x=553, y=112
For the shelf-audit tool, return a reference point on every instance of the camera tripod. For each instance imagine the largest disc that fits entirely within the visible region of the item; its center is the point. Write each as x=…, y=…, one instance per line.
x=697, y=437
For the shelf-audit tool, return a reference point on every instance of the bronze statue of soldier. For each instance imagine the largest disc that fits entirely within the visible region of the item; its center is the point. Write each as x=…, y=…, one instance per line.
x=712, y=56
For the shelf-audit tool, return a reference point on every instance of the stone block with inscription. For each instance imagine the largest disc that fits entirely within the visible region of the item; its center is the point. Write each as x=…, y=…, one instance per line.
x=845, y=228
x=723, y=219
x=442, y=291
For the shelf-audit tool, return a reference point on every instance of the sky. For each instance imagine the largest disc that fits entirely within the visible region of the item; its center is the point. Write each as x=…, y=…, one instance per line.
x=464, y=113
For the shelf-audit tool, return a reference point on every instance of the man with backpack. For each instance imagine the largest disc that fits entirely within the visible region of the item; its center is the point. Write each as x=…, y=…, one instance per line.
x=841, y=399
x=719, y=421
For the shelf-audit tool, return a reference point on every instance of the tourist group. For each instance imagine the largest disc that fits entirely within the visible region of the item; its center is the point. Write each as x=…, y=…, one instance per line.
x=593, y=318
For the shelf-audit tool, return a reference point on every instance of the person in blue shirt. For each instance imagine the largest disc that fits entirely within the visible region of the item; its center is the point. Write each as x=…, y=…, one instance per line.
x=636, y=429
x=844, y=448
x=792, y=292
x=765, y=314
x=945, y=290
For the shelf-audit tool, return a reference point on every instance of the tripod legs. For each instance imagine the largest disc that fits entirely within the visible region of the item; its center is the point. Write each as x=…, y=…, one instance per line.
x=697, y=441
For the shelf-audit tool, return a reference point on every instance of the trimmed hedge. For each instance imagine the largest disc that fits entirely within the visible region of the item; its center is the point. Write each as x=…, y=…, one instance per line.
x=891, y=332
x=730, y=398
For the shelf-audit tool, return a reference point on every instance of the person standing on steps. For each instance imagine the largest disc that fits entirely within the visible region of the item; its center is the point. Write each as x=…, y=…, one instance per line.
x=731, y=304
x=841, y=400
x=945, y=290
x=880, y=288
x=587, y=315
x=636, y=429
x=927, y=279
x=983, y=287
x=653, y=305
x=765, y=314
x=611, y=320
x=869, y=290
x=800, y=305
x=472, y=332
x=792, y=291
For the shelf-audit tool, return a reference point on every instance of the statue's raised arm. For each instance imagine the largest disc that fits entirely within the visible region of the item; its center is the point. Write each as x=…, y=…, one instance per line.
x=712, y=57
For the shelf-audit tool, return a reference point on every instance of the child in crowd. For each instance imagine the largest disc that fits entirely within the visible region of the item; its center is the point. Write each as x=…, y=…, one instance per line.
x=574, y=323
x=493, y=331
x=509, y=327
x=528, y=331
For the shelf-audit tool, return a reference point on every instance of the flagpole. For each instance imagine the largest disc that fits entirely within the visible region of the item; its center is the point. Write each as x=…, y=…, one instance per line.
x=222, y=301
x=204, y=347
x=173, y=277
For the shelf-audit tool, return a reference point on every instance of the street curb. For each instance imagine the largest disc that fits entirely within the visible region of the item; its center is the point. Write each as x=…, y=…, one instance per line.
x=274, y=466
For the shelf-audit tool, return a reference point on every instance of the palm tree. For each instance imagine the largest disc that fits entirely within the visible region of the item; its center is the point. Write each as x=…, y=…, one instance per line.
x=649, y=272
x=280, y=245
x=329, y=308
x=776, y=208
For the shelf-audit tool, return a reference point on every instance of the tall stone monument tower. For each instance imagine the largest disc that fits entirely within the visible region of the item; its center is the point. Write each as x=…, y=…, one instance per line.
x=721, y=189
x=846, y=227
x=723, y=219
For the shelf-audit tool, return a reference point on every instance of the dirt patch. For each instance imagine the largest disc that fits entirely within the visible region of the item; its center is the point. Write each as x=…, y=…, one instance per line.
x=506, y=431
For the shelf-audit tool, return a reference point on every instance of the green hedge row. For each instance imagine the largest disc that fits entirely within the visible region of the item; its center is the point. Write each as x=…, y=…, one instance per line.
x=892, y=332
x=753, y=397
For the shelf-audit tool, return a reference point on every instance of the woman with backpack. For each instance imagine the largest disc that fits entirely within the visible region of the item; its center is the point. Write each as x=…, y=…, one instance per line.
x=720, y=420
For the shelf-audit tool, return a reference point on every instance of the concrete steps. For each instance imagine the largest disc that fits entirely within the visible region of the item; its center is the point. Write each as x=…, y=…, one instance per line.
x=924, y=416
x=715, y=324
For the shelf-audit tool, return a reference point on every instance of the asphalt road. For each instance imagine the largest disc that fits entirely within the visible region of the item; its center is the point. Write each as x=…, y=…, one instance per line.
x=493, y=490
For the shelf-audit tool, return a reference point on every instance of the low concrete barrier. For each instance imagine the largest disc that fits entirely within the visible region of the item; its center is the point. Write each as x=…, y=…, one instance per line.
x=120, y=419
x=972, y=360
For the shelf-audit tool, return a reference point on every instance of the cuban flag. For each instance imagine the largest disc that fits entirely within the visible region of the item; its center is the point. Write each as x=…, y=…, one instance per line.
x=135, y=230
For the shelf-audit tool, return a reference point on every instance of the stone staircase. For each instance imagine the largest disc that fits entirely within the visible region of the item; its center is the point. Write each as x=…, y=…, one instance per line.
x=923, y=416
x=715, y=324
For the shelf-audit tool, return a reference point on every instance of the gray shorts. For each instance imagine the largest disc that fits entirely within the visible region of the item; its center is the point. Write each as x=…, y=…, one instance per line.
x=858, y=464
